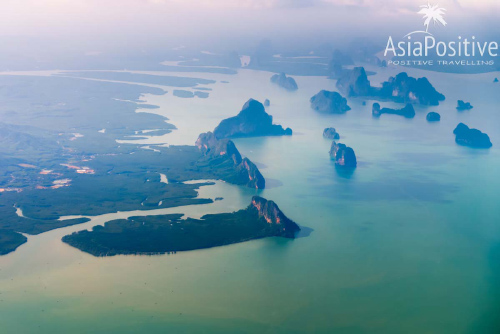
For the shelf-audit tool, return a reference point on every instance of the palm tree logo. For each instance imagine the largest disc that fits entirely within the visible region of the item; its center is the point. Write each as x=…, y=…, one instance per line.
x=432, y=13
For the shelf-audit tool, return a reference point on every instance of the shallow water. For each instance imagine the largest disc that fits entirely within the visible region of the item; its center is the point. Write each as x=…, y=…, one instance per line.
x=408, y=243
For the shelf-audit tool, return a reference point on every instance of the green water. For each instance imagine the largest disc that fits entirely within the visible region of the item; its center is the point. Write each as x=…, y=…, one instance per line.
x=409, y=243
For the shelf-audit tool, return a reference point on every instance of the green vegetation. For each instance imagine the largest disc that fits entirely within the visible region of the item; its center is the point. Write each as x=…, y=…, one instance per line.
x=59, y=155
x=10, y=240
x=169, y=233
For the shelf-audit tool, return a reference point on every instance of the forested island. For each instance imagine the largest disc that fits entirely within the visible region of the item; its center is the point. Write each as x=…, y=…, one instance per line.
x=169, y=233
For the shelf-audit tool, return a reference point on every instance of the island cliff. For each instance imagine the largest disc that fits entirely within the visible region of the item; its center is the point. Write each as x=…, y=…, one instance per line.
x=343, y=155
x=285, y=82
x=224, y=159
x=170, y=233
x=280, y=225
x=471, y=137
x=252, y=121
x=329, y=102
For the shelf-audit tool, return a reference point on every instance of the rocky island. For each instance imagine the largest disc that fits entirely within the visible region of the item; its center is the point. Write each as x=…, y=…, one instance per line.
x=343, y=155
x=433, y=117
x=405, y=89
x=252, y=121
x=222, y=155
x=285, y=82
x=461, y=105
x=329, y=103
x=401, y=88
x=331, y=133
x=471, y=137
x=408, y=111
x=169, y=233
x=355, y=83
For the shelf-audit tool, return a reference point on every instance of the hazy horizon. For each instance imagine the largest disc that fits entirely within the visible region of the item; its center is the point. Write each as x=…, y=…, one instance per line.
x=90, y=28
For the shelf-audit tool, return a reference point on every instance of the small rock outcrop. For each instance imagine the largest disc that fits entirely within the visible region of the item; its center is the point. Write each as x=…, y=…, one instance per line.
x=331, y=133
x=354, y=83
x=267, y=103
x=329, y=102
x=495, y=80
x=343, y=155
x=282, y=226
x=461, y=105
x=285, y=82
x=471, y=137
x=433, y=117
x=408, y=111
x=223, y=157
x=252, y=121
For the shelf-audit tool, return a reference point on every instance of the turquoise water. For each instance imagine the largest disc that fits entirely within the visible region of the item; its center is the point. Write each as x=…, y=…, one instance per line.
x=408, y=243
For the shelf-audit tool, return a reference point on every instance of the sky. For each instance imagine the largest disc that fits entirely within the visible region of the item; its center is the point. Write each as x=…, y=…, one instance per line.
x=39, y=16
x=97, y=24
